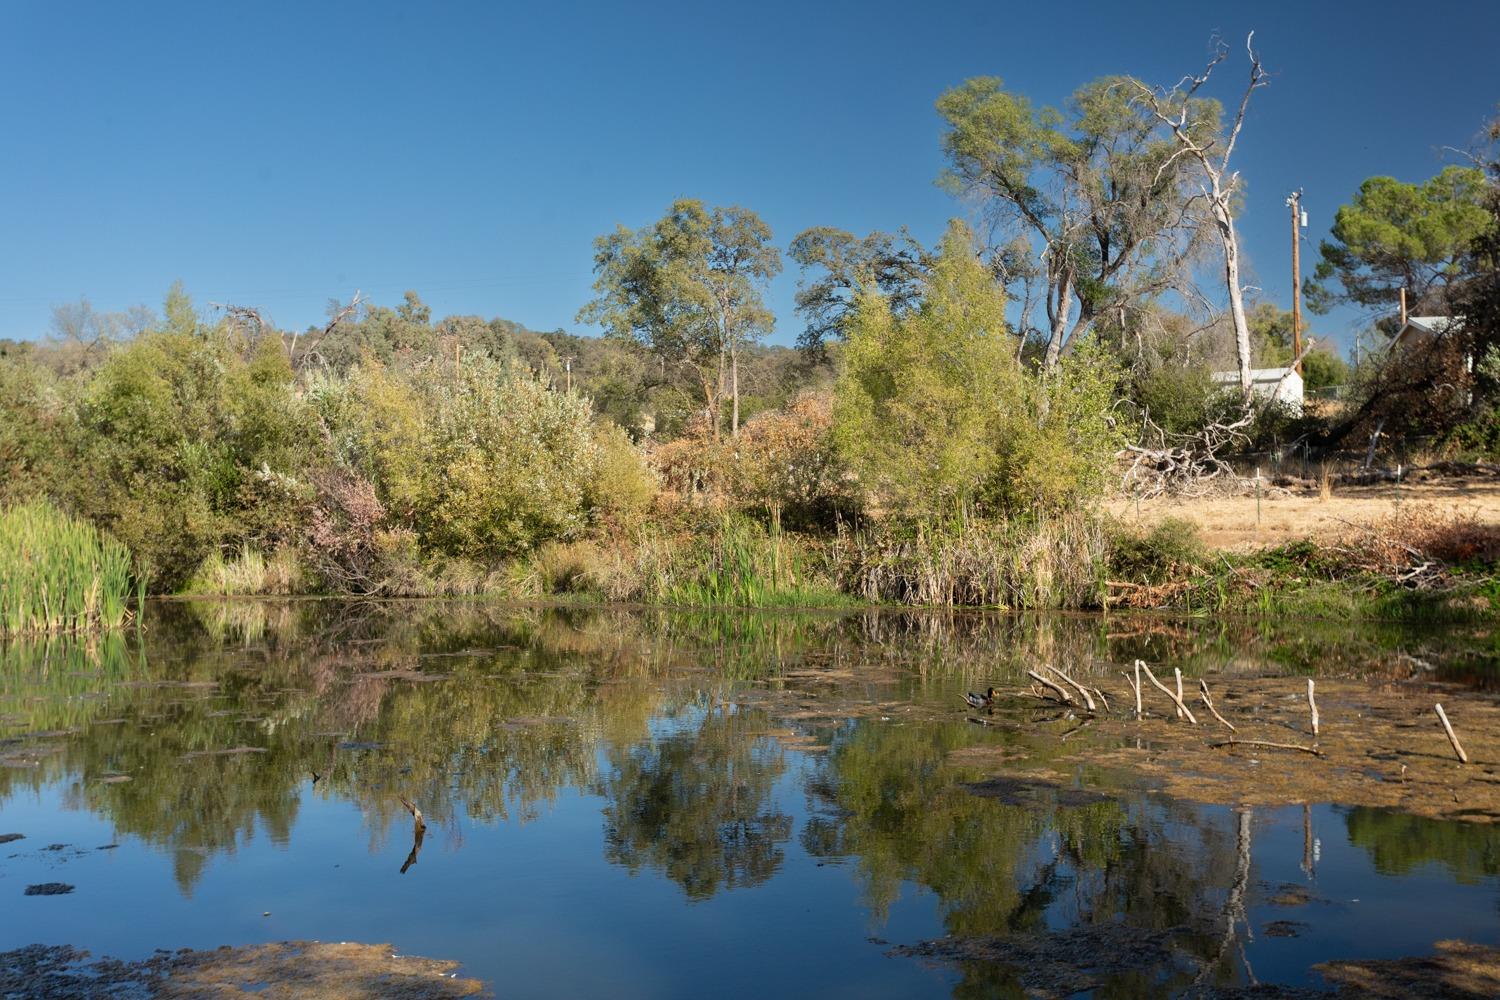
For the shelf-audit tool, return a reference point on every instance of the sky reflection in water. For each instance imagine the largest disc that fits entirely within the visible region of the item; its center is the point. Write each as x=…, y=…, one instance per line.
x=608, y=812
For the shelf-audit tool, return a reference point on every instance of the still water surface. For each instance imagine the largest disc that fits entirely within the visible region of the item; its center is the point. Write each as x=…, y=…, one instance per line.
x=654, y=804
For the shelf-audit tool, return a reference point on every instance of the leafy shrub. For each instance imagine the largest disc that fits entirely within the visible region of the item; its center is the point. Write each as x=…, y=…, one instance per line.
x=33, y=430
x=784, y=463
x=171, y=433
x=1169, y=550
x=937, y=415
x=1175, y=397
x=480, y=460
x=623, y=487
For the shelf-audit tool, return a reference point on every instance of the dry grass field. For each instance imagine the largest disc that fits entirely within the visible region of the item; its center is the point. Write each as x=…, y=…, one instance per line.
x=1233, y=522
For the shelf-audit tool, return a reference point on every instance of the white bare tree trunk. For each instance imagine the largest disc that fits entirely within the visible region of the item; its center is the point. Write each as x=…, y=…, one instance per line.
x=1236, y=297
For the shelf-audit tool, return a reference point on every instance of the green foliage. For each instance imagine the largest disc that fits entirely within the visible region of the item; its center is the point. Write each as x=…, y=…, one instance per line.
x=917, y=398
x=689, y=291
x=1175, y=397
x=1099, y=199
x=184, y=438
x=892, y=263
x=1398, y=235
x=936, y=414
x=736, y=564
x=1170, y=550
x=623, y=488
x=59, y=573
x=479, y=460
x=34, y=424
x=249, y=573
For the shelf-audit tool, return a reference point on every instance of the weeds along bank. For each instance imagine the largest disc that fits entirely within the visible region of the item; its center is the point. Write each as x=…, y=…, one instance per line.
x=938, y=468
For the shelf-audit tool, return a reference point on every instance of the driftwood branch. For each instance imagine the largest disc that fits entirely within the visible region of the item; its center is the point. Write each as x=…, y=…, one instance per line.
x=1312, y=706
x=1062, y=694
x=1208, y=701
x=1168, y=692
x=1264, y=743
x=1452, y=736
x=1088, y=699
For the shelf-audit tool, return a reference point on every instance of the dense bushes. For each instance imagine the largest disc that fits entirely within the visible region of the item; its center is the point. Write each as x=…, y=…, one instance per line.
x=174, y=437
x=479, y=459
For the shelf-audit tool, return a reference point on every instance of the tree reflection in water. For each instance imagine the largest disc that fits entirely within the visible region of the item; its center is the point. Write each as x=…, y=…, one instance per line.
x=222, y=714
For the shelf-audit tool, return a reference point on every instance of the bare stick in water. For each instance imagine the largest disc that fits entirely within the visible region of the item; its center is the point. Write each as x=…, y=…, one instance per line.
x=1168, y=692
x=1203, y=687
x=1312, y=705
x=1087, y=698
x=1452, y=736
x=1102, y=700
x=1263, y=743
x=1180, y=702
x=1062, y=695
x=1135, y=685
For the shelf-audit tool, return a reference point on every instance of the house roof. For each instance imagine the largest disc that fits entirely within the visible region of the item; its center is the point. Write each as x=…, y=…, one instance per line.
x=1434, y=326
x=1258, y=375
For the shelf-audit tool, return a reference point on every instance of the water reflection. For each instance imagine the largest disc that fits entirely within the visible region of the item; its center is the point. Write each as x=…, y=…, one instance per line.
x=219, y=722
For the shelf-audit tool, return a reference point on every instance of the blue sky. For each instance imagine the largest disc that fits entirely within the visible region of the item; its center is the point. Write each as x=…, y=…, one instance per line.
x=284, y=153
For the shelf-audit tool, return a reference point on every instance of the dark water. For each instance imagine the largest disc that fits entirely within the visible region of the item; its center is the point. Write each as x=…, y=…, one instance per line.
x=644, y=804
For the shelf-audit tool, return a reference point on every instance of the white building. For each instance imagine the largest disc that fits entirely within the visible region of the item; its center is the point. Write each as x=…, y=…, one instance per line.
x=1283, y=385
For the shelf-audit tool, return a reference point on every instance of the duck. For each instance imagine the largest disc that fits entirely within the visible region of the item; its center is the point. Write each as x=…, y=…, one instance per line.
x=981, y=700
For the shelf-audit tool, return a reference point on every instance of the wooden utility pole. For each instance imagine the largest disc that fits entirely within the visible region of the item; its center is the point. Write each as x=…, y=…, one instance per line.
x=1294, y=201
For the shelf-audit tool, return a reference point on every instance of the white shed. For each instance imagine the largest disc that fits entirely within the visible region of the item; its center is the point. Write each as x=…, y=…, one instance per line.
x=1283, y=385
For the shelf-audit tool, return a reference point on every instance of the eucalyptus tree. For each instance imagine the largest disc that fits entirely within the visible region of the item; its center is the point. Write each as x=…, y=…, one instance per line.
x=690, y=289
x=1203, y=143
x=1096, y=191
x=837, y=265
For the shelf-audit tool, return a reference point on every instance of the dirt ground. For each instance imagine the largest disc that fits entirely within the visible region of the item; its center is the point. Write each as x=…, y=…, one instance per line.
x=287, y=970
x=1290, y=513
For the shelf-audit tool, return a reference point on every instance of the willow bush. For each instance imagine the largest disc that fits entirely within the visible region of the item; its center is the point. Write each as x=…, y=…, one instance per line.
x=59, y=573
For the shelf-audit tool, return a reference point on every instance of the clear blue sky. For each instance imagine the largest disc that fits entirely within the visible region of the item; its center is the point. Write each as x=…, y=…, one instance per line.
x=284, y=153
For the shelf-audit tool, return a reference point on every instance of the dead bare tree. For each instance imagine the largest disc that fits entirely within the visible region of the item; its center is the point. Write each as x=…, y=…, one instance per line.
x=1192, y=121
x=339, y=315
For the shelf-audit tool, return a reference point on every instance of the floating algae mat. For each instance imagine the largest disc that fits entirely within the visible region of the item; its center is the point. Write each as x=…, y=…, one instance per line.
x=245, y=798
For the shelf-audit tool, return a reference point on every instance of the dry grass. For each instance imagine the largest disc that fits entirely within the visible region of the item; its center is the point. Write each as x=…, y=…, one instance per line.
x=1230, y=522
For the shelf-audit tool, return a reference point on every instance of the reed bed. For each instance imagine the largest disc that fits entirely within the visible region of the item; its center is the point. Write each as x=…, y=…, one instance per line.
x=60, y=574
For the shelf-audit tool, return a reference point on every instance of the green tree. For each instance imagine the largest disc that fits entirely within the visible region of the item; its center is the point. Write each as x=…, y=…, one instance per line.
x=689, y=289
x=917, y=396
x=1095, y=189
x=1396, y=235
x=893, y=263
x=935, y=411
x=187, y=439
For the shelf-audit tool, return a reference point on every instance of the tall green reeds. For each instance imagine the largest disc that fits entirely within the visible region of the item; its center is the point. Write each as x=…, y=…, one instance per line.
x=738, y=565
x=59, y=574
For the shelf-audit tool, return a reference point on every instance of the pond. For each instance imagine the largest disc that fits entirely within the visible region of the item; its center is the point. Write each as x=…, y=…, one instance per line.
x=642, y=803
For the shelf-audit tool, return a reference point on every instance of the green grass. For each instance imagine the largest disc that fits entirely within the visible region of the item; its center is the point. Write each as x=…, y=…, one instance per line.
x=739, y=565
x=60, y=574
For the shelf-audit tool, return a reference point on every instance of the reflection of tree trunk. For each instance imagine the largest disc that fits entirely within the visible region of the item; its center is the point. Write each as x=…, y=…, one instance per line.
x=1234, y=905
x=418, y=831
x=1307, y=840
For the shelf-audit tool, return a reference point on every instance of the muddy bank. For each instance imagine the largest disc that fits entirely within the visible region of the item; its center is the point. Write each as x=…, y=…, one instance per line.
x=1066, y=963
x=278, y=971
x=1379, y=744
